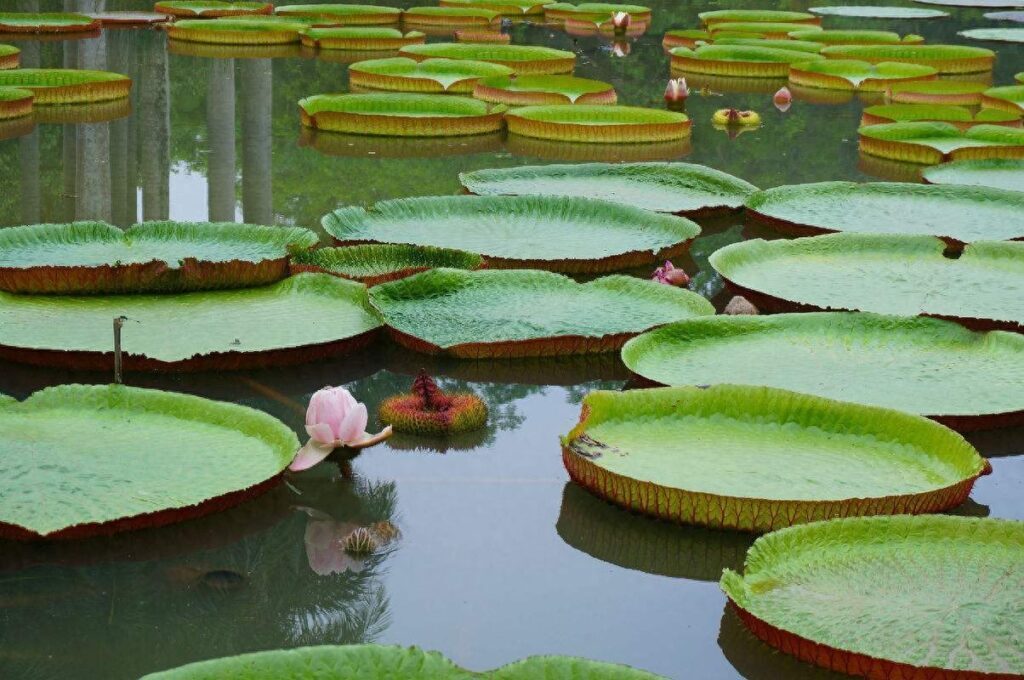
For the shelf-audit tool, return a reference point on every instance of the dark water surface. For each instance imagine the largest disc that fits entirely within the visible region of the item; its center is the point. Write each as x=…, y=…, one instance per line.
x=500, y=557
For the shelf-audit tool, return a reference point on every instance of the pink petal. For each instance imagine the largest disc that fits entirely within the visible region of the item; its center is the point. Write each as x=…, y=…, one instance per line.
x=354, y=425
x=309, y=455
x=320, y=433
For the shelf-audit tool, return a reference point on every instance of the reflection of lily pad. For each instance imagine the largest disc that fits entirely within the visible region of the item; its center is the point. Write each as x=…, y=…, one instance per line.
x=861, y=567
x=211, y=8
x=996, y=173
x=739, y=60
x=95, y=257
x=67, y=86
x=356, y=145
x=401, y=74
x=46, y=22
x=1005, y=98
x=523, y=59
x=931, y=143
x=378, y=263
x=756, y=15
x=525, y=312
x=960, y=213
x=303, y=317
x=849, y=74
x=533, y=90
x=360, y=38
x=344, y=14
x=158, y=443
x=960, y=116
x=849, y=271
x=760, y=459
x=945, y=58
x=403, y=115
x=680, y=188
x=937, y=368
x=592, y=123
x=879, y=12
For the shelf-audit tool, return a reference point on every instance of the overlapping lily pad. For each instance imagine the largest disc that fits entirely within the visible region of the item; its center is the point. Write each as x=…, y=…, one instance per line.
x=849, y=271
x=739, y=60
x=960, y=92
x=931, y=143
x=376, y=263
x=211, y=8
x=124, y=18
x=849, y=74
x=977, y=4
x=400, y=115
x=541, y=232
x=962, y=214
x=301, y=318
x=1017, y=16
x=960, y=116
x=760, y=459
x=963, y=378
x=685, y=37
x=756, y=16
x=15, y=103
x=884, y=579
x=540, y=90
x=595, y=12
x=395, y=663
x=450, y=16
x=523, y=312
x=836, y=37
x=1005, y=98
x=401, y=74
x=681, y=188
x=798, y=45
x=238, y=31
x=591, y=123
x=995, y=173
x=945, y=58
x=369, y=38
x=137, y=458
x=1011, y=35
x=10, y=56
x=879, y=12
x=514, y=8
x=482, y=36
x=344, y=14
x=523, y=59
x=67, y=86
x=95, y=257
x=46, y=22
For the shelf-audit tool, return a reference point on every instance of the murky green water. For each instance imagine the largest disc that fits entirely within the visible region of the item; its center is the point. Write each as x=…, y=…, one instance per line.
x=500, y=557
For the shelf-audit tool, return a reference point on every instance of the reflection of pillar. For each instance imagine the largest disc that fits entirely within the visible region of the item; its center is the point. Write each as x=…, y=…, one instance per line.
x=69, y=142
x=154, y=132
x=92, y=188
x=256, y=90
x=28, y=152
x=220, y=132
x=122, y=199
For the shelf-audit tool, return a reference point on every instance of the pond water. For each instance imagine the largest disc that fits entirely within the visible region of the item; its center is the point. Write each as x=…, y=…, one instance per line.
x=500, y=557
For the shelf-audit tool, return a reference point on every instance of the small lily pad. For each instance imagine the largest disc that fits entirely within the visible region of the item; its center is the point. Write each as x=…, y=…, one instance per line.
x=995, y=173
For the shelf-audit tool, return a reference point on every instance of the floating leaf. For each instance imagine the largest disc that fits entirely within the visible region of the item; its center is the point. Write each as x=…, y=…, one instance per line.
x=10, y=57
x=449, y=16
x=378, y=263
x=523, y=59
x=370, y=38
x=344, y=14
x=513, y=8
x=739, y=60
x=945, y=58
x=1011, y=35
x=995, y=173
x=401, y=74
x=15, y=103
x=541, y=90
x=128, y=18
x=756, y=15
x=931, y=143
x=848, y=74
x=46, y=22
x=404, y=115
x=211, y=8
x=776, y=31
x=960, y=116
x=238, y=31
x=833, y=37
x=594, y=12
x=960, y=92
x=980, y=4
x=67, y=86
x=790, y=45
x=598, y=124
x=879, y=12
x=1006, y=98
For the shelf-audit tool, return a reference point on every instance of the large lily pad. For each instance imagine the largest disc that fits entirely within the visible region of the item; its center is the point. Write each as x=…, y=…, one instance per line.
x=960, y=213
x=960, y=116
x=739, y=60
x=46, y=22
x=516, y=231
x=401, y=74
x=798, y=45
x=344, y=14
x=540, y=90
x=400, y=115
x=681, y=188
x=995, y=173
x=856, y=37
x=722, y=16
x=756, y=29
x=945, y=58
x=594, y=12
x=239, y=31
x=301, y=318
x=1005, y=98
x=95, y=257
x=136, y=458
x=360, y=38
x=524, y=312
x=879, y=12
x=867, y=595
x=15, y=103
x=849, y=74
x=593, y=123
x=1011, y=35
x=67, y=86
x=977, y=4
x=1017, y=16
x=450, y=16
x=932, y=367
x=523, y=59
x=376, y=263
x=514, y=8
x=931, y=143
x=905, y=275
x=760, y=459
x=211, y=8
x=960, y=92
x=10, y=56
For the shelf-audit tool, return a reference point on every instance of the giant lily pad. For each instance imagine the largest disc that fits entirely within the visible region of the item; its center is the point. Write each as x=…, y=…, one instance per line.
x=833, y=37
x=775, y=31
x=95, y=257
x=540, y=90
x=760, y=459
x=945, y=58
x=962, y=214
x=592, y=123
x=10, y=56
x=523, y=59
x=996, y=173
x=1011, y=35
x=932, y=367
x=978, y=4
x=1006, y=98
x=301, y=318
x=959, y=92
x=798, y=45
x=851, y=271
x=368, y=38
x=449, y=16
x=401, y=74
x=137, y=458
x=67, y=86
x=523, y=312
x=1006, y=16
x=595, y=12
x=681, y=188
x=240, y=31
x=392, y=662
x=931, y=143
x=723, y=16
x=839, y=594
x=211, y=8
x=515, y=231
x=376, y=263
x=849, y=74
x=15, y=103
x=513, y=8
x=739, y=60
x=400, y=115
x=960, y=116
x=126, y=18
x=879, y=12
x=344, y=14
x=46, y=22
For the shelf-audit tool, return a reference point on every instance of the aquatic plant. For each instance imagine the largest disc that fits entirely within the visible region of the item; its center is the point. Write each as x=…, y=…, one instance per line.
x=1005, y=98
x=15, y=103
x=123, y=18
x=46, y=22
x=403, y=115
x=670, y=275
x=371, y=38
x=344, y=14
x=879, y=12
x=791, y=45
x=67, y=86
x=739, y=60
x=739, y=305
x=735, y=117
x=772, y=31
x=596, y=13
x=482, y=37
x=957, y=92
x=401, y=74
x=860, y=37
x=426, y=410
x=523, y=59
x=334, y=419
x=944, y=58
x=450, y=16
x=211, y=8
x=376, y=263
x=684, y=38
x=960, y=116
x=723, y=16
x=598, y=124
x=931, y=143
x=994, y=173
x=238, y=31
x=1010, y=35
x=862, y=76
x=676, y=90
x=360, y=542
x=10, y=56
x=513, y=8
x=783, y=99
x=540, y=90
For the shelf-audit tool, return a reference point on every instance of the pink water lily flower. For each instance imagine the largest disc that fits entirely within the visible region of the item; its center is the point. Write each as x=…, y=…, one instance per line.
x=670, y=275
x=783, y=99
x=621, y=48
x=621, y=21
x=676, y=90
x=333, y=419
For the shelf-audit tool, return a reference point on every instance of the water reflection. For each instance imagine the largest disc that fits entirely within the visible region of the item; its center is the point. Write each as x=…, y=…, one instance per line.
x=755, y=660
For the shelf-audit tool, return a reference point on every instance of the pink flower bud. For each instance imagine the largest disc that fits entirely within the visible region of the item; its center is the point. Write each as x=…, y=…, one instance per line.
x=621, y=21
x=783, y=99
x=334, y=418
x=670, y=275
x=676, y=90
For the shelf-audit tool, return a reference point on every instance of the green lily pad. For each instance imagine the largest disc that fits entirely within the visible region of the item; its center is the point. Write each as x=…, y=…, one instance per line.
x=211, y=8
x=932, y=367
x=523, y=59
x=756, y=15
x=740, y=60
x=514, y=231
x=592, y=123
x=995, y=173
x=1007, y=97
x=760, y=459
x=597, y=12
x=376, y=263
x=46, y=22
x=834, y=37
x=359, y=38
x=67, y=86
x=905, y=275
x=879, y=12
x=95, y=257
x=978, y=4
x=963, y=214
x=518, y=313
x=838, y=594
x=681, y=188
x=450, y=16
x=137, y=458
x=507, y=7
x=1012, y=35
x=400, y=115
x=945, y=58
x=532, y=90
x=344, y=14
x=257, y=30
x=401, y=74
x=1005, y=16
x=961, y=116
x=567, y=667
x=961, y=92
x=932, y=143
x=848, y=74
x=297, y=319
x=790, y=45
x=779, y=31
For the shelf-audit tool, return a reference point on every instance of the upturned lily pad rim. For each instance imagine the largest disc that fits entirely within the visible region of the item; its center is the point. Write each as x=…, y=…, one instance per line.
x=446, y=73
x=350, y=262
x=937, y=173
x=1010, y=35
x=898, y=113
x=855, y=37
x=756, y=15
x=572, y=88
x=391, y=104
x=481, y=52
x=46, y=22
x=188, y=408
x=336, y=9
x=745, y=53
x=909, y=132
x=910, y=52
x=598, y=115
x=871, y=76
x=879, y=12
